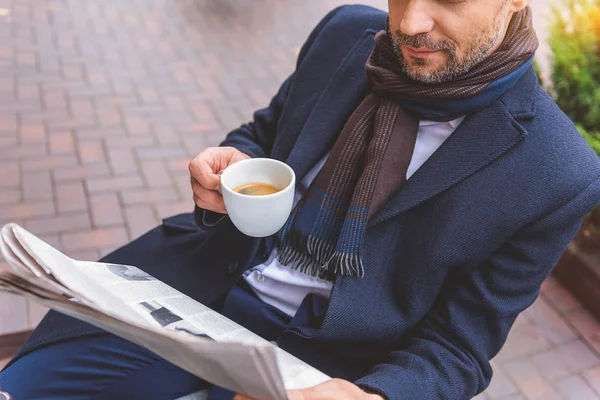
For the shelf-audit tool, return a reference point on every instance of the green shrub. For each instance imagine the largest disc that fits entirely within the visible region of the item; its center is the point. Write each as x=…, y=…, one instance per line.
x=593, y=139
x=575, y=43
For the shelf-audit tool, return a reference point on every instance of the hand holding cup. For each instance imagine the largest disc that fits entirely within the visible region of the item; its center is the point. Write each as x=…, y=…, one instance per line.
x=205, y=178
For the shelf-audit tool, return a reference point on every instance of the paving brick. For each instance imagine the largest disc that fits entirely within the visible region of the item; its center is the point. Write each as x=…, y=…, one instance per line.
x=160, y=153
x=8, y=123
x=501, y=385
x=61, y=143
x=105, y=251
x=87, y=132
x=550, y=324
x=137, y=127
x=562, y=300
x=156, y=174
x=77, y=173
x=54, y=100
x=8, y=196
x=178, y=165
x=14, y=318
x=32, y=133
x=148, y=196
x=93, y=239
x=592, y=377
x=52, y=239
x=169, y=209
x=35, y=313
x=576, y=388
x=81, y=107
x=195, y=144
x=106, y=210
x=140, y=219
x=122, y=161
x=10, y=176
x=182, y=183
x=26, y=210
x=49, y=162
x=109, y=118
x=28, y=92
x=587, y=326
x=24, y=152
x=90, y=151
x=114, y=183
x=530, y=381
x=56, y=224
x=70, y=197
x=37, y=185
x=166, y=136
x=121, y=142
x=566, y=359
x=524, y=339
x=84, y=255
x=8, y=142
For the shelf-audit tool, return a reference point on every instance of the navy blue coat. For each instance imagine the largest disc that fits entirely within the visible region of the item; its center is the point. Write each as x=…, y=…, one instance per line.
x=451, y=259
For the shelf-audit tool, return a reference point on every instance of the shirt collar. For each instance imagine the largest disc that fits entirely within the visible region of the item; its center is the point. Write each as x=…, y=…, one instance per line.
x=454, y=123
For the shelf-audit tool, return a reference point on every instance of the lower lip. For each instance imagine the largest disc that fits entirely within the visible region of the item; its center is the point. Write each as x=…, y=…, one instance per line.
x=419, y=54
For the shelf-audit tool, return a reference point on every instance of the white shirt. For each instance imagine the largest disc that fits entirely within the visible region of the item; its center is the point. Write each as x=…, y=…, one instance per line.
x=285, y=288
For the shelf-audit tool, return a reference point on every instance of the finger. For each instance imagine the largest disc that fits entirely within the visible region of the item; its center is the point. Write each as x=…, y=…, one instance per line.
x=209, y=200
x=201, y=169
x=201, y=191
x=296, y=395
x=237, y=156
x=209, y=206
x=329, y=390
x=241, y=397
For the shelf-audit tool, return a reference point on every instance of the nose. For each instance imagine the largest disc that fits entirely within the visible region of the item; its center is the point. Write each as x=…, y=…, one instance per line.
x=417, y=18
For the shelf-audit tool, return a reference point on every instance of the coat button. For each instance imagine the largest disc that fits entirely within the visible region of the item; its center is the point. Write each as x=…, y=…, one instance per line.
x=260, y=277
x=265, y=253
x=232, y=266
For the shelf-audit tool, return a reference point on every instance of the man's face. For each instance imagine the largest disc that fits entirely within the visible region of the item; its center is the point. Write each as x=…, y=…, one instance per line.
x=437, y=40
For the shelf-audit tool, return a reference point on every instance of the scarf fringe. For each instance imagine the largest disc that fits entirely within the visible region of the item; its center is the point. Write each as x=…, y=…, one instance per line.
x=313, y=257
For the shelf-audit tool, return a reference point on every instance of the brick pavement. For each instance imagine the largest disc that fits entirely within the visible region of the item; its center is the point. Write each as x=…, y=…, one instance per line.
x=102, y=104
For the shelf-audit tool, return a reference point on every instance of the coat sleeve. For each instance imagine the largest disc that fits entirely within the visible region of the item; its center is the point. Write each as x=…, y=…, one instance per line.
x=256, y=138
x=447, y=355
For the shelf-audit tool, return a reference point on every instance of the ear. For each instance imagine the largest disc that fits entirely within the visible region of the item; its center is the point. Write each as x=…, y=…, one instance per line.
x=518, y=5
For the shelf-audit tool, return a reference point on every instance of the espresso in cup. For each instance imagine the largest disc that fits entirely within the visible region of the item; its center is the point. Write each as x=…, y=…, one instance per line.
x=258, y=195
x=256, y=189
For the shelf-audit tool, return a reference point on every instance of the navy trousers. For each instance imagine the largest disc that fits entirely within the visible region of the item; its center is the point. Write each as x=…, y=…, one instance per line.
x=107, y=367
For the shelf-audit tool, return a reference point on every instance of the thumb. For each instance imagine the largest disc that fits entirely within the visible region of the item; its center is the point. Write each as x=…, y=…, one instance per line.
x=236, y=156
x=304, y=394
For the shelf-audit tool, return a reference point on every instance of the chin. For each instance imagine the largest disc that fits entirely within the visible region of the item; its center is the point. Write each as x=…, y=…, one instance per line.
x=421, y=73
x=426, y=71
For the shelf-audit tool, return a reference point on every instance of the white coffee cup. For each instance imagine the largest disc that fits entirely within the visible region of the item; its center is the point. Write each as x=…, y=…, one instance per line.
x=258, y=216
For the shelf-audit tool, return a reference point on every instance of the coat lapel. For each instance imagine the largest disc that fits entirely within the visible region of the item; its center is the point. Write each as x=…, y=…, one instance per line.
x=479, y=140
x=342, y=94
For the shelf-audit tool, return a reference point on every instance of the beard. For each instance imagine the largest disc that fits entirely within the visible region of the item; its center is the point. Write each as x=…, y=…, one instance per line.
x=456, y=64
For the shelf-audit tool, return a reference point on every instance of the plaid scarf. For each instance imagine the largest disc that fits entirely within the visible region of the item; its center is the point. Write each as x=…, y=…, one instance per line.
x=324, y=234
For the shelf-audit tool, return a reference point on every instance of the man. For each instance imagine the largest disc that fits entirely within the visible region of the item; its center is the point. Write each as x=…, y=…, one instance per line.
x=437, y=188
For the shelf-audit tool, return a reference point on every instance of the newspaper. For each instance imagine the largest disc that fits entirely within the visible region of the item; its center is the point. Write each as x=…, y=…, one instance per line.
x=127, y=302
